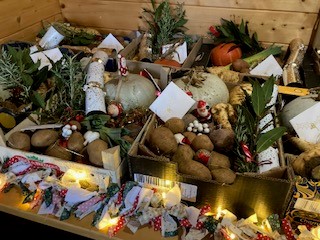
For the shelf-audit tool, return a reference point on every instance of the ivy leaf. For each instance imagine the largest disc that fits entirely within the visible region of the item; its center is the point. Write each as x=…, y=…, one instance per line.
x=266, y=140
x=258, y=98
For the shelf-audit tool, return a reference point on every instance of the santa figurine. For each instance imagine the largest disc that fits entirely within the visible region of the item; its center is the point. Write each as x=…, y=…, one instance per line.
x=202, y=112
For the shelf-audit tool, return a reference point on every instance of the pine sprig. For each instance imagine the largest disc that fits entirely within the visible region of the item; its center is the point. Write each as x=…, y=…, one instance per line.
x=68, y=93
x=165, y=24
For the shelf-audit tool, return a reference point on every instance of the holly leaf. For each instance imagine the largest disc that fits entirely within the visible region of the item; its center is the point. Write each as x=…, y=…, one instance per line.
x=266, y=140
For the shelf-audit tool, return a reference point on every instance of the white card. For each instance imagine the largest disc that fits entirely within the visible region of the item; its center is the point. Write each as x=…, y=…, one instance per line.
x=268, y=67
x=268, y=159
x=180, y=54
x=111, y=42
x=307, y=124
x=54, y=54
x=172, y=102
x=44, y=61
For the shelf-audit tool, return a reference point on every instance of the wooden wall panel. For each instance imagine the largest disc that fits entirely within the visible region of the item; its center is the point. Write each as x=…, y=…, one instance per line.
x=29, y=33
x=19, y=16
x=308, y=6
x=296, y=18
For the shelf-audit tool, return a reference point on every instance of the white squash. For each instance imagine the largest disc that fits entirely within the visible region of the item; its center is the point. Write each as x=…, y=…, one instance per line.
x=135, y=91
x=294, y=108
x=213, y=90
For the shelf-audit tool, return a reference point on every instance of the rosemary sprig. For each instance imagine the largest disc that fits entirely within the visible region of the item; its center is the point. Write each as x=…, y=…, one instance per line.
x=68, y=96
x=17, y=71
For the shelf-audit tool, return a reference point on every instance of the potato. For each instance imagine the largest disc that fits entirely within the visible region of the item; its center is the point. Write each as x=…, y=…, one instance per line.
x=184, y=153
x=94, y=150
x=188, y=118
x=218, y=160
x=315, y=173
x=55, y=150
x=44, y=138
x=239, y=64
x=83, y=158
x=195, y=169
x=176, y=125
x=163, y=140
x=223, y=175
x=75, y=142
x=202, y=142
x=190, y=135
x=222, y=139
x=203, y=156
x=76, y=123
x=19, y=140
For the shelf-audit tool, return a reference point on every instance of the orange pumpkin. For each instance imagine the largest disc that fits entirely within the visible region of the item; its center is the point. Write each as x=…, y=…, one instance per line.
x=168, y=62
x=225, y=53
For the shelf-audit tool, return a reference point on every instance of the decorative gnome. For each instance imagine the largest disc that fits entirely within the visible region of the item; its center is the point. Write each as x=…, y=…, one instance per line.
x=202, y=112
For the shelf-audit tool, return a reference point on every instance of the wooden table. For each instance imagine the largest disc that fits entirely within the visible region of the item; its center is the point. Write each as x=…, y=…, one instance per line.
x=11, y=203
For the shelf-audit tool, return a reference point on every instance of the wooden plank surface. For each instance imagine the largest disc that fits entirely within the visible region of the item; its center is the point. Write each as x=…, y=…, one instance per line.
x=29, y=33
x=271, y=26
x=11, y=203
x=307, y=6
x=16, y=16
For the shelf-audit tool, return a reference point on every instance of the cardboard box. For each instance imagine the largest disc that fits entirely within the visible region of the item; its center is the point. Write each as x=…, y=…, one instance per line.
x=250, y=193
x=157, y=71
x=116, y=175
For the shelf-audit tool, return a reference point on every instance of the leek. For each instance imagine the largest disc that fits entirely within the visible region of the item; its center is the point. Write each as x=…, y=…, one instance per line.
x=260, y=56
